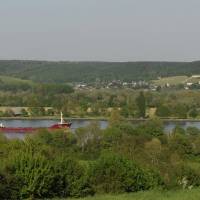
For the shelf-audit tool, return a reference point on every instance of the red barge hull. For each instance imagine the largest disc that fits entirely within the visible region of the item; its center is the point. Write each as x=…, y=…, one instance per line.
x=31, y=129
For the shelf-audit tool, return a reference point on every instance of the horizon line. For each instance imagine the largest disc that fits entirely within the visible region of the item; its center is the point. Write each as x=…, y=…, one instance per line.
x=100, y=61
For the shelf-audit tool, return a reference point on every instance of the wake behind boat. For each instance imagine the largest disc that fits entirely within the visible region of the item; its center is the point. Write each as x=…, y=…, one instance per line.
x=61, y=125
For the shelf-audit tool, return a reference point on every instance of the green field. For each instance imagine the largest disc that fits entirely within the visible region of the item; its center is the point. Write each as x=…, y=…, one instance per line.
x=193, y=80
x=174, y=80
x=12, y=80
x=151, y=195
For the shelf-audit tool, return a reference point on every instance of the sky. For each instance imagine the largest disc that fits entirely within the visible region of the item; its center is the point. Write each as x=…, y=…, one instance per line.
x=100, y=30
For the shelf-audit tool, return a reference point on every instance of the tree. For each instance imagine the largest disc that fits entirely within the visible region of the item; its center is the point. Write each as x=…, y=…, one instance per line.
x=193, y=113
x=88, y=138
x=115, y=117
x=152, y=127
x=163, y=111
x=141, y=104
x=153, y=149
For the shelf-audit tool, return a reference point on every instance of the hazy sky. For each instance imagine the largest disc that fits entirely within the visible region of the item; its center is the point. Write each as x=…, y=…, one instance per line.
x=109, y=30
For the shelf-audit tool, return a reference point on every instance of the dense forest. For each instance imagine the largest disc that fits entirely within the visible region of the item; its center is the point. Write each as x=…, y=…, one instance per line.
x=41, y=71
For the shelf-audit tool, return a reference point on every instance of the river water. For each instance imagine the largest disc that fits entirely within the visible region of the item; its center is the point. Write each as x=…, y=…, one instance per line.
x=79, y=123
x=45, y=123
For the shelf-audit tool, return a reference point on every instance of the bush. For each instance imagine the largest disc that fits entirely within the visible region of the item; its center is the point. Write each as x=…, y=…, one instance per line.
x=9, y=188
x=193, y=131
x=70, y=179
x=33, y=173
x=152, y=127
x=163, y=111
x=34, y=176
x=187, y=177
x=114, y=174
x=127, y=128
x=193, y=113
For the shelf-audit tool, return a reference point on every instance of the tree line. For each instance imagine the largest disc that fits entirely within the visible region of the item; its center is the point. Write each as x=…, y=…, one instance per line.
x=62, y=72
x=100, y=103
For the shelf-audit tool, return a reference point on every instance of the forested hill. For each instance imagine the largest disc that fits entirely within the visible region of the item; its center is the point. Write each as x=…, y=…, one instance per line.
x=90, y=71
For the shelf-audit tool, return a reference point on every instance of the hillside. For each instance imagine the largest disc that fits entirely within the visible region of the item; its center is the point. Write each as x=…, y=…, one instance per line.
x=41, y=71
x=13, y=80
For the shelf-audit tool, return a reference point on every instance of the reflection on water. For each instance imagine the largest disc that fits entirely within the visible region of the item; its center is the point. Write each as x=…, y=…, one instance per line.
x=169, y=126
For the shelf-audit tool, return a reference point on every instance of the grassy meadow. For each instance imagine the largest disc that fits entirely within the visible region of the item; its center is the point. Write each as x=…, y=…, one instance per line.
x=176, y=80
x=12, y=80
x=173, y=80
x=193, y=194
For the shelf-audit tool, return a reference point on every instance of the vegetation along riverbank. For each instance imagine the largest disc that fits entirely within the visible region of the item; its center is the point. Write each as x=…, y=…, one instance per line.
x=62, y=164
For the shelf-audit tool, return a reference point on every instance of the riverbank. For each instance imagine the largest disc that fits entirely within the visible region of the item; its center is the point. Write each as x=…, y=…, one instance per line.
x=53, y=118
x=98, y=118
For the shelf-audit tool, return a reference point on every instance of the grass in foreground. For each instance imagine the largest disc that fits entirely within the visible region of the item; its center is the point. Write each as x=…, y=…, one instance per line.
x=193, y=194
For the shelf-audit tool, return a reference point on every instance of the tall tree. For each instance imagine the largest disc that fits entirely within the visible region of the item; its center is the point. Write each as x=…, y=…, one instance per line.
x=141, y=104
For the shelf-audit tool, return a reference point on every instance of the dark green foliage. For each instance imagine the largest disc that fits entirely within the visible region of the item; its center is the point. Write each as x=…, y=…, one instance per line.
x=178, y=130
x=181, y=144
x=187, y=176
x=58, y=139
x=112, y=173
x=151, y=127
x=52, y=89
x=9, y=187
x=180, y=111
x=70, y=179
x=126, y=128
x=141, y=103
x=193, y=131
x=91, y=71
x=193, y=113
x=111, y=135
x=163, y=111
x=41, y=88
x=33, y=172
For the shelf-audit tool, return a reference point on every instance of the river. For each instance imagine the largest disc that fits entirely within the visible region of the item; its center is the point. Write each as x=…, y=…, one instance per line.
x=80, y=123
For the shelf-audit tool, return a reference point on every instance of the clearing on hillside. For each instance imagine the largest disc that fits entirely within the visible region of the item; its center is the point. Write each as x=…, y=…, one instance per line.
x=173, y=80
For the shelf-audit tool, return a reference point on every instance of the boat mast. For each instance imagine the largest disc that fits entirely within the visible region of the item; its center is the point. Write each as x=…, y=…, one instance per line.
x=61, y=118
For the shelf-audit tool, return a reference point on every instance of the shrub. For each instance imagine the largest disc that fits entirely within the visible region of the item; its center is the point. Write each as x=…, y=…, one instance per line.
x=114, y=174
x=70, y=179
x=33, y=173
x=187, y=177
x=38, y=177
x=193, y=113
x=9, y=187
x=152, y=127
x=163, y=111
x=193, y=131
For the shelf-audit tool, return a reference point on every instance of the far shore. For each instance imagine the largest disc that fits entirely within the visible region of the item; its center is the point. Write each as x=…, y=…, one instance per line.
x=99, y=118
